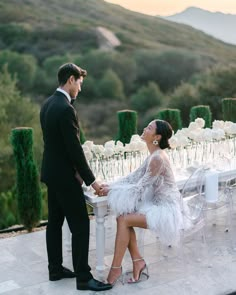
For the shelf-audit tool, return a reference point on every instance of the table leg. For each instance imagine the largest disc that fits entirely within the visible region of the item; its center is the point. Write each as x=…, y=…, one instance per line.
x=100, y=213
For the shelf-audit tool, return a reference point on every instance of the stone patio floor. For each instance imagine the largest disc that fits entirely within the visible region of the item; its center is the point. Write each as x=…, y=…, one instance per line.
x=204, y=269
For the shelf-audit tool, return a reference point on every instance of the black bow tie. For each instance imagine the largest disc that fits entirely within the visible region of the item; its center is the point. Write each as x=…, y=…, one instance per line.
x=72, y=101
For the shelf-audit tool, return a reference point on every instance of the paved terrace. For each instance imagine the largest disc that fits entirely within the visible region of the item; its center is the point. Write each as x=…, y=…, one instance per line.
x=203, y=270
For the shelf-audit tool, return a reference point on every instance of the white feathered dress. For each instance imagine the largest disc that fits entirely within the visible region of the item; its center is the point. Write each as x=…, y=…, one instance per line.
x=151, y=190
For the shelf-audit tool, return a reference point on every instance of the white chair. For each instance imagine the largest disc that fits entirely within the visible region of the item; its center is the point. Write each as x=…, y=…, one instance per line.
x=192, y=204
x=221, y=208
x=231, y=189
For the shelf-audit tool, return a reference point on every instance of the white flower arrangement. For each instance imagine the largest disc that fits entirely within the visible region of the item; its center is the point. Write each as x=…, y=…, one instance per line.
x=188, y=145
x=111, y=148
x=196, y=133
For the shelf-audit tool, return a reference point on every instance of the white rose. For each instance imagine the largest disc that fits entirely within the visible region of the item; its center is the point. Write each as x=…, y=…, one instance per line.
x=192, y=134
x=86, y=148
x=135, y=137
x=89, y=144
x=88, y=155
x=182, y=140
x=227, y=130
x=119, y=143
x=232, y=129
x=119, y=149
x=180, y=132
x=193, y=126
x=134, y=146
x=199, y=135
x=110, y=144
x=207, y=134
x=218, y=134
x=184, y=131
x=228, y=124
x=127, y=147
x=141, y=146
x=98, y=149
x=173, y=142
x=200, y=122
x=108, y=152
x=218, y=124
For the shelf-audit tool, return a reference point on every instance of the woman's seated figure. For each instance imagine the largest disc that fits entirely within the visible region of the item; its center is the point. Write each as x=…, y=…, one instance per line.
x=146, y=198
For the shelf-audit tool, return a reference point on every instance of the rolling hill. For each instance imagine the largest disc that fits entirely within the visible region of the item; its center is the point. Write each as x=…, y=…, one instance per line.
x=44, y=28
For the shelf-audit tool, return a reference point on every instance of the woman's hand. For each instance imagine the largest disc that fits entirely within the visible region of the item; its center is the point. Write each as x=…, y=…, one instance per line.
x=104, y=189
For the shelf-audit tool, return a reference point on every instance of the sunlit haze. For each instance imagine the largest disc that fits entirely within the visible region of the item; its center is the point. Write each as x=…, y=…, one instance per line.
x=169, y=7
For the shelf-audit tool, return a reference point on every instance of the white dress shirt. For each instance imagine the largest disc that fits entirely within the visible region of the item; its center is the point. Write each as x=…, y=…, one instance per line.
x=64, y=92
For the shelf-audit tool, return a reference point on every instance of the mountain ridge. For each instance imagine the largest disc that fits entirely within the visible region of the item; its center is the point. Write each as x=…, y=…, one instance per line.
x=217, y=24
x=72, y=24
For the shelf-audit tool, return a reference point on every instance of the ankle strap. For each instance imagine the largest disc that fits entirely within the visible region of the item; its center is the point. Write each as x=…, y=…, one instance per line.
x=114, y=267
x=138, y=259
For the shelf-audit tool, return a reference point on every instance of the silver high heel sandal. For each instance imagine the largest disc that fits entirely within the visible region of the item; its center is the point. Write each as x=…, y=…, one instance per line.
x=141, y=272
x=120, y=277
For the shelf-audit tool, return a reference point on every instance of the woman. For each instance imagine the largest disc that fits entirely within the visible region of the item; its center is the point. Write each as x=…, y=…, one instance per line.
x=146, y=198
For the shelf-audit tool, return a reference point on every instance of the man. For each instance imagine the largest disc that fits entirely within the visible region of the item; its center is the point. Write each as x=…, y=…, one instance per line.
x=64, y=168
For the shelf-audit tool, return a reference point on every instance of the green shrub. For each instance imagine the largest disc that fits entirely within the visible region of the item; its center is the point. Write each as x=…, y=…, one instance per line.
x=27, y=182
x=201, y=111
x=146, y=97
x=172, y=116
x=229, y=109
x=8, y=209
x=127, y=125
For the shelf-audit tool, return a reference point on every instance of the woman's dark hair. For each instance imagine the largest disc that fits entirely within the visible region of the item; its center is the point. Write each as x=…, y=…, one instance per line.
x=165, y=130
x=67, y=70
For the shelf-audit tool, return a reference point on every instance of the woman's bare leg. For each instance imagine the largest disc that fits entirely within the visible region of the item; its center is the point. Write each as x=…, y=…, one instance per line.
x=125, y=237
x=135, y=254
x=133, y=245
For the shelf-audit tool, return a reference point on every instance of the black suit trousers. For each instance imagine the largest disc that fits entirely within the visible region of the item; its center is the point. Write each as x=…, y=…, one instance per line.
x=68, y=202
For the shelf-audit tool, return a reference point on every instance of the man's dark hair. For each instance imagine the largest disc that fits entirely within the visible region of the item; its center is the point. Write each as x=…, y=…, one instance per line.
x=67, y=70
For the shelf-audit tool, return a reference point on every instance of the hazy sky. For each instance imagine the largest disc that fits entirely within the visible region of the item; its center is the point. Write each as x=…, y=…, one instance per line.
x=168, y=7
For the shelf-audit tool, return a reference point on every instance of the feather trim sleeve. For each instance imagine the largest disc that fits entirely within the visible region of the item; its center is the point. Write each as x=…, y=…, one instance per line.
x=126, y=195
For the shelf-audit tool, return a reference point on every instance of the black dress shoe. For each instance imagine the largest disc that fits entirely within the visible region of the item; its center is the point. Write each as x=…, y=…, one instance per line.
x=93, y=285
x=64, y=273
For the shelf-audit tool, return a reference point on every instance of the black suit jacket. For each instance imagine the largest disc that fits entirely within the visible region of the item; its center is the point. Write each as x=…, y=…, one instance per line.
x=63, y=153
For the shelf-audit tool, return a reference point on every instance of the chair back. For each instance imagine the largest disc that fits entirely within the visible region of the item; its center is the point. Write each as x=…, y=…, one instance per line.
x=193, y=199
x=230, y=188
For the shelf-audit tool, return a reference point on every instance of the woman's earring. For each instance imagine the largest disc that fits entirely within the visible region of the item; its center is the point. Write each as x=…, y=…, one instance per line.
x=155, y=142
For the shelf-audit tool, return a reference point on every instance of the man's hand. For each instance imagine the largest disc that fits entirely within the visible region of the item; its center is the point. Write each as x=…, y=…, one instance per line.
x=100, y=190
x=96, y=187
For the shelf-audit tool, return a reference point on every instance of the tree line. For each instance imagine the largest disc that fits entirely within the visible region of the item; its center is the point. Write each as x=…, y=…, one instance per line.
x=145, y=81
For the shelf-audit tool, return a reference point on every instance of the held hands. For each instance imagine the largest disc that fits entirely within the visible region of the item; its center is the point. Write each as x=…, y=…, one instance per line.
x=100, y=190
x=104, y=189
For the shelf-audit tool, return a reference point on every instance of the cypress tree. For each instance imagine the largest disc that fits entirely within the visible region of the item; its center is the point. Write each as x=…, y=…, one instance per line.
x=229, y=109
x=127, y=125
x=201, y=111
x=27, y=180
x=172, y=116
